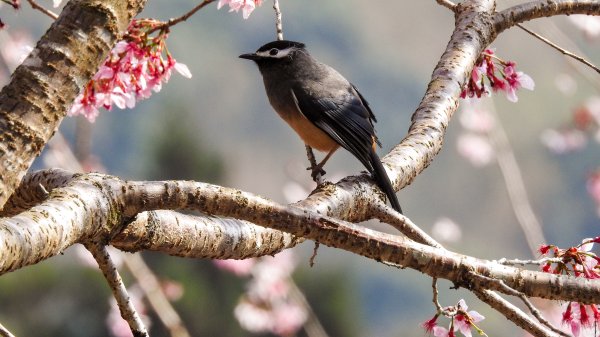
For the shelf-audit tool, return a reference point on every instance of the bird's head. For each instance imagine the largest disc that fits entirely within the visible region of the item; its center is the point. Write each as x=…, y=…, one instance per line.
x=275, y=52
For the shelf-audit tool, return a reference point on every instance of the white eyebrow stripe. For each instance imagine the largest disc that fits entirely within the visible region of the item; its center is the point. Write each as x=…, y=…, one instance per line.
x=281, y=54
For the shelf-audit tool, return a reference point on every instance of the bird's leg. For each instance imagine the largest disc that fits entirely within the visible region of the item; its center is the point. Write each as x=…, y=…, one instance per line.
x=317, y=169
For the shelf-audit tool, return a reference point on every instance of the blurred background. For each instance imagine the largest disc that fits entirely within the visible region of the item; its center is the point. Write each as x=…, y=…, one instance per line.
x=218, y=127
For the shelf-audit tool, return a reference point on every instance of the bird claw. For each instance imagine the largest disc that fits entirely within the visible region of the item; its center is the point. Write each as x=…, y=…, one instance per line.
x=317, y=173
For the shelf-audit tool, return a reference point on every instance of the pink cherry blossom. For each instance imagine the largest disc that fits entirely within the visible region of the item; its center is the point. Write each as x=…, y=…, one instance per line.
x=134, y=69
x=460, y=320
x=247, y=6
x=430, y=324
x=439, y=331
x=490, y=71
x=463, y=323
x=516, y=80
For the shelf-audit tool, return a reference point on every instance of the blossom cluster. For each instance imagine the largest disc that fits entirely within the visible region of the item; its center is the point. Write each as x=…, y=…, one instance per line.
x=247, y=6
x=269, y=304
x=134, y=69
x=460, y=320
x=499, y=75
x=576, y=261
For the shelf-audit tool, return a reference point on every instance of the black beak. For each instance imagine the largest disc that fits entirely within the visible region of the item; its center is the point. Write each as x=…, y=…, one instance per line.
x=252, y=57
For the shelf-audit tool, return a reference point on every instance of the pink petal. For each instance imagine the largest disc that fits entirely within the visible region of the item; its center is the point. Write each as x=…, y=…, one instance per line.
x=439, y=331
x=526, y=81
x=248, y=9
x=183, y=70
x=511, y=94
x=475, y=316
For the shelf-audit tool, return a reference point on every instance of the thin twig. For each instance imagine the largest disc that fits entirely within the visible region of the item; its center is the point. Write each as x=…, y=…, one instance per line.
x=278, y=23
x=173, y=22
x=534, y=311
x=42, y=9
x=314, y=254
x=438, y=307
x=513, y=313
x=4, y=332
x=448, y=4
x=560, y=49
x=156, y=297
x=551, y=29
x=119, y=291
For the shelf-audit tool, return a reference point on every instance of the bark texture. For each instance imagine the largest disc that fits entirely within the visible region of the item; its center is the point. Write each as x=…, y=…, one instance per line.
x=44, y=86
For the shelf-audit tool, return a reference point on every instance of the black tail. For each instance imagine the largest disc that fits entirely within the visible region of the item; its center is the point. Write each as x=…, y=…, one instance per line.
x=383, y=181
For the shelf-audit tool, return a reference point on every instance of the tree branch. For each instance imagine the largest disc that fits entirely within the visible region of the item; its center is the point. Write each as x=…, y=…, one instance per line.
x=42, y=9
x=561, y=50
x=96, y=207
x=119, y=291
x=184, y=17
x=201, y=236
x=42, y=88
x=513, y=313
x=542, y=8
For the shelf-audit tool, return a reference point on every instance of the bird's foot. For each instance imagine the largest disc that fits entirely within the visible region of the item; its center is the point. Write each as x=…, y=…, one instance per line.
x=317, y=173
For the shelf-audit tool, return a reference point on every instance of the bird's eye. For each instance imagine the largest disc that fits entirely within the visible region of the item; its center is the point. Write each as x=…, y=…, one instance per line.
x=273, y=52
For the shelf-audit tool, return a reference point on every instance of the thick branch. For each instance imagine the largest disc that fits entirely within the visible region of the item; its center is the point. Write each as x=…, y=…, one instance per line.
x=543, y=8
x=42, y=88
x=201, y=236
x=95, y=207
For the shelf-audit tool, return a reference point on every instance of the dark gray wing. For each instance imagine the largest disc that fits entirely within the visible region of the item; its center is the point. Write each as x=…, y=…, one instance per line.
x=345, y=118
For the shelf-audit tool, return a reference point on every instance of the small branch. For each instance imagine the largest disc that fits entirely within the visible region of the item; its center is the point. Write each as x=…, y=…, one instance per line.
x=156, y=297
x=448, y=4
x=4, y=332
x=119, y=291
x=560, y=49
x=387, y=215
x=40, y=8
x=534, y=311
x=173, y=22
x=438, y=307
x=514, y=314
x=278, y=24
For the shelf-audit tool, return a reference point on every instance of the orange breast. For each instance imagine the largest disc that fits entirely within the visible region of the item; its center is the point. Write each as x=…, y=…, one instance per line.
x=310, y=134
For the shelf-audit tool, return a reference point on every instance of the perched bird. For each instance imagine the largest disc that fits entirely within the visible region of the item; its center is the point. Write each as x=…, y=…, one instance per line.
x=324, y=108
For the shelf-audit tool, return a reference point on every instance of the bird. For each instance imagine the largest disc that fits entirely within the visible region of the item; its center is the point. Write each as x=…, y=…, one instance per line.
x=322, y=106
